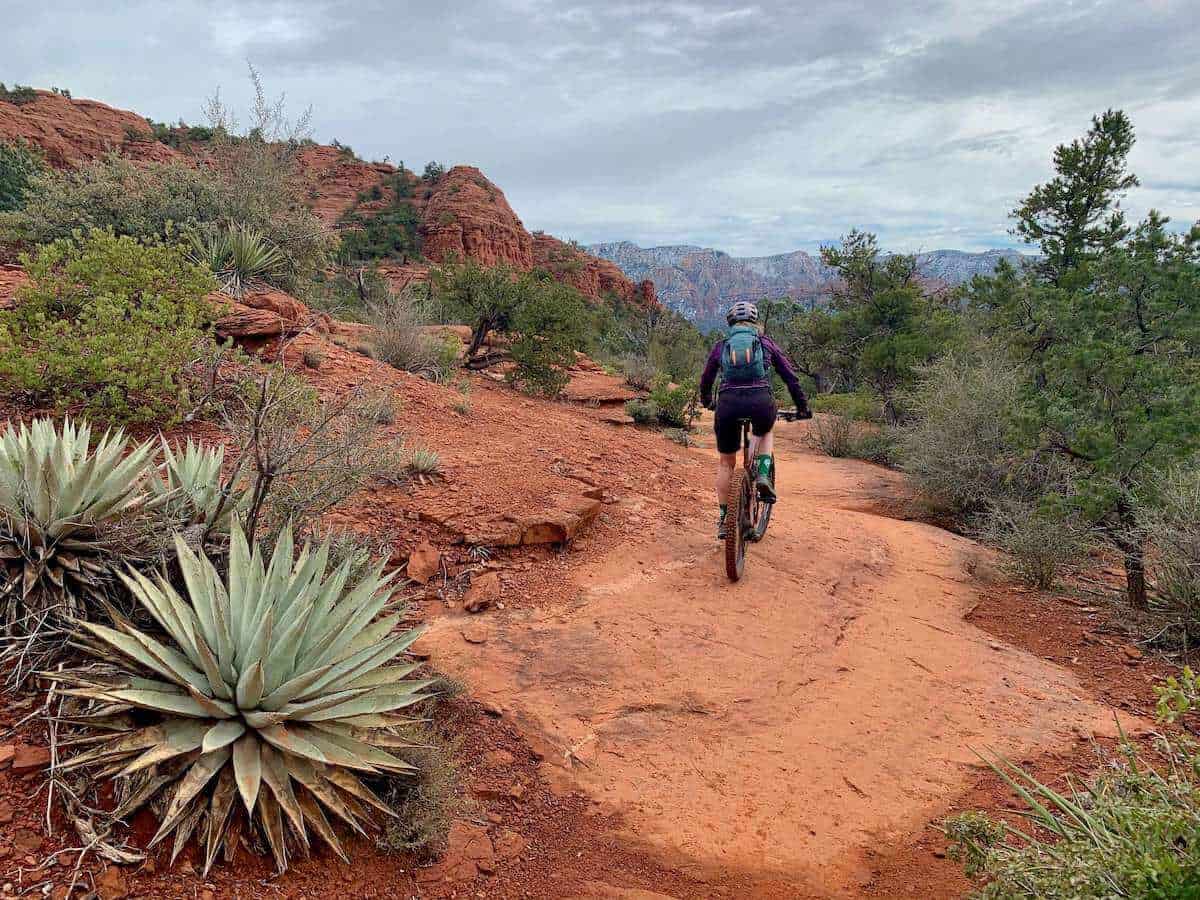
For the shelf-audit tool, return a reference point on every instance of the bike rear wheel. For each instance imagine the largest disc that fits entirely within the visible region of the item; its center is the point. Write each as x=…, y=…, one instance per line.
x=738, y=525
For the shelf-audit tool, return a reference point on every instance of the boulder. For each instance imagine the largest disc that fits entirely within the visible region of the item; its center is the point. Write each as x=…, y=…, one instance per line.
x=469, y=852
x=424, y=563
x=266, y=314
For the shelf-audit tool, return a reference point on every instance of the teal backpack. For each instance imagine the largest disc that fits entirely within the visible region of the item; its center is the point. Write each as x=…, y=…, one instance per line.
x=742, y=361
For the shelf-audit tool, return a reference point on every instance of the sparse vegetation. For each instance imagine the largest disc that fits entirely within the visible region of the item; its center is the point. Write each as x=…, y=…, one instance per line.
x=17, y=95
x=19, y=164
x=387, y=233
x=1130, y=832
x=423, y=465
x=106, y=325
x=643, y=412
x=401, y=340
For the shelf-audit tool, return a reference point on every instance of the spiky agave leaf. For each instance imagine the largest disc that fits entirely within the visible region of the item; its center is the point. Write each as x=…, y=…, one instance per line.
x=57, y=495
x=277, y=687
x=191, y=489
x=239, y=256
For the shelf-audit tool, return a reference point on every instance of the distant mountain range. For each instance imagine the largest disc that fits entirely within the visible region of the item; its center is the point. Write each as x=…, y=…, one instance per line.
x=702, y=283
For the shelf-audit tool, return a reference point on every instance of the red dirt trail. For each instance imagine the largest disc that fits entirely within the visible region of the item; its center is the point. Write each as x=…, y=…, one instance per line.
x=777, y=728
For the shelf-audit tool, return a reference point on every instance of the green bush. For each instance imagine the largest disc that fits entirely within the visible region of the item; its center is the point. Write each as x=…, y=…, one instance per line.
x=643, y=412
x=19, y=164
x=678, y=405
x=19, y=95
x=1041, y=539
x=241, y=258
x=141, y=201
x=859, y=407
x=549, y=327
x=106, y=325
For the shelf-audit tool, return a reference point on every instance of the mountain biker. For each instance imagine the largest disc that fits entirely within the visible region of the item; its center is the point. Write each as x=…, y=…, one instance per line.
x=743, y=357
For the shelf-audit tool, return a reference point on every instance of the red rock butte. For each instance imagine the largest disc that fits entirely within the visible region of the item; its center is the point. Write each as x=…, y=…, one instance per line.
x=461, y=216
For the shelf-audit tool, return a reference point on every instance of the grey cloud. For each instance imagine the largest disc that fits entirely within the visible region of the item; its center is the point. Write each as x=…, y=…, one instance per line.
x=753, y=126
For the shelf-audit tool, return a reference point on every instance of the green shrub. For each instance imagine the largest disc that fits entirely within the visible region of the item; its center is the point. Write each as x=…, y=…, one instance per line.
x=139, y=200
x=106, y=325
x=1041, y=539
x=19, y=164
x=859, y=407
x=1170, y=523
x=423, y=465
x=18, y=95
x=549, y=327
x=643, y=412
x=961, y=449
x=678, y=405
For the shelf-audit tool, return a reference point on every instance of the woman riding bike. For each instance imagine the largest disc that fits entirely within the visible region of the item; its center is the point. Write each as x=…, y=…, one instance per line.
x=742, y=358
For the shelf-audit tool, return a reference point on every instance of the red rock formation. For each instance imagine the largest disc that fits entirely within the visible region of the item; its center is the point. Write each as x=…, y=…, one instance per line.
x=590, y=275
x=468, y=217
x=70, y=132
x=338, y=179
x=462, y=215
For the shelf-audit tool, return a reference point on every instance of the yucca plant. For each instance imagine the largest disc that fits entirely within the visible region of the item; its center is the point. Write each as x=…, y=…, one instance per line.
x=424, y=465
x=60, y=503
x=191, y=491
x=276, y=686
x=239, y=256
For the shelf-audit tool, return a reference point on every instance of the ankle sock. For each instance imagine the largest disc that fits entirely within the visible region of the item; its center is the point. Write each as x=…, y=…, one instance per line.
x=764, y=465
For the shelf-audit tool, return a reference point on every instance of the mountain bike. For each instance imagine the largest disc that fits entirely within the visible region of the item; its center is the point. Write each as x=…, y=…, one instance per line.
x=748, y=514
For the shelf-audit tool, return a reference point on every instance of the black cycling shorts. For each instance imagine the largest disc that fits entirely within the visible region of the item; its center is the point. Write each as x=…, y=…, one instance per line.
x=733, y=405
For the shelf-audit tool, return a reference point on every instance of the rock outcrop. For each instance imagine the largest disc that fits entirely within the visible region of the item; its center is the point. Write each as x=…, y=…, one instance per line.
x=462, y=215
x=590, y=275
x=468, y=217
x=70, y=132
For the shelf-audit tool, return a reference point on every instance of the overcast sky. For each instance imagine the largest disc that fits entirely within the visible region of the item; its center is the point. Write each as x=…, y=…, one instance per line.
x=752, y=127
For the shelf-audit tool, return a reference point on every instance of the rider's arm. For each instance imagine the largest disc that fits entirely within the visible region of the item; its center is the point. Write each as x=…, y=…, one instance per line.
x=710, y=374
x=783, y=366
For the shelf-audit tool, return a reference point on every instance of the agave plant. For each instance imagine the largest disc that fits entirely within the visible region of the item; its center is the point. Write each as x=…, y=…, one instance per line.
x=57, y=497
x=277, y=686
x=190, y=489
x=239, y=256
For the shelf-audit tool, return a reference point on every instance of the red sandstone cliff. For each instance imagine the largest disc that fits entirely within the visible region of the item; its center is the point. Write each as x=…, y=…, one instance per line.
x=462, y=215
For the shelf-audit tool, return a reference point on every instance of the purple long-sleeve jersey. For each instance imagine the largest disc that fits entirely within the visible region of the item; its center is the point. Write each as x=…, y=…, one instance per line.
x=772, y=355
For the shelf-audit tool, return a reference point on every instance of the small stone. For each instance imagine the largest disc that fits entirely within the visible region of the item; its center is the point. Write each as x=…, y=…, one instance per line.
x=29, y=758
x=474, y=634
x=499, y=759
x=1131, y=652
x=424, y=563
x=7, y=751
x=483, y=592
x=26, y=840
x=517, y=791
x=6, y=812
x=509, y=845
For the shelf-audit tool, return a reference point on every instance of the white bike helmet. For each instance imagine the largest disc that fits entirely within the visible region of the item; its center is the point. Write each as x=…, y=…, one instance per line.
x=742, y=311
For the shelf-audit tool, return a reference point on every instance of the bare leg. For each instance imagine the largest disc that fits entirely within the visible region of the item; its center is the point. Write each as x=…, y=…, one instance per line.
x=765, y=445
x=725, y=464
